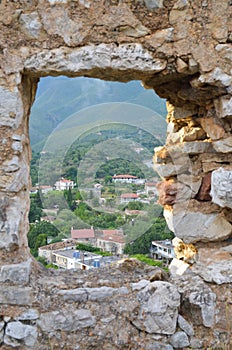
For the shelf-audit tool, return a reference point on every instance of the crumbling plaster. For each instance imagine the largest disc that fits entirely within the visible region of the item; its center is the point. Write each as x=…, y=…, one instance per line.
x=180, y=48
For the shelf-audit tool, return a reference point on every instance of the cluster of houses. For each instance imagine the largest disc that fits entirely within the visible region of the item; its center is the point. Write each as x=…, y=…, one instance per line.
x=65, y=256
x=112, y=241
x=60, y=185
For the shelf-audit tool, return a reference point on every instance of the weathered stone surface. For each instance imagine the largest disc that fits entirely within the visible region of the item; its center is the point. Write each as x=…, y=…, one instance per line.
x=192, y=227
x=160, y=37
x=30, y=314
x=204, y=191
x=32, y=24
x=15, y=296
x=18, y=273
x=159, y=308
x=216, y=77
x=185, y=326
x=11, y=108
x=18, y=333
x=139, y=285
x=101, y=56
x=223, y=145
x=212, y=129
x=153, y=4
x=221, y=188
x=179, y=340
x=223, y=106
x=178, y=267
x=67, y=320
x=218, y=272
x=197, y=296
x=159, y=346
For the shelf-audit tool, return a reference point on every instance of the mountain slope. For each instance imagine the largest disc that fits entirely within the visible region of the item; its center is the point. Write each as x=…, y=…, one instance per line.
x=58, y=98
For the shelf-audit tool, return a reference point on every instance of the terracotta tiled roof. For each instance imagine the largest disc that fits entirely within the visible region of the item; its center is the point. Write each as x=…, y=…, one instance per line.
x=124, y=176
x=83, y=233
x=129, y=195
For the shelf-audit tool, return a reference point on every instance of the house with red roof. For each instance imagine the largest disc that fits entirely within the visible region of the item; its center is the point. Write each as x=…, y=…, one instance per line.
x=83, y=235
x=129, y=197
x=112, y=241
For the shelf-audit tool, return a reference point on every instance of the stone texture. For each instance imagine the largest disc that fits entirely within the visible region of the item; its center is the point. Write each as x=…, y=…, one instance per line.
x=159, y=346
x=223, y=145
x=15, y=296
x=204, y=191
x=153, y=4
x=185, y=326
x=18, y=273
x=158, y=312
x=181, y=49
x=192, y=227
x=221, y=190
x=66, y=320
x=18, y=333
x=179, y=340
x=101, y=56
x=223, y=106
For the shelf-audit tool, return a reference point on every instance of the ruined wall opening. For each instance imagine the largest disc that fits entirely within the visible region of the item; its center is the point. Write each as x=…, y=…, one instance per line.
x=88, y=130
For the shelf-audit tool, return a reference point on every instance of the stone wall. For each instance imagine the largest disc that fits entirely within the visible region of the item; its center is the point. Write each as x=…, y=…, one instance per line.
x=182, y=50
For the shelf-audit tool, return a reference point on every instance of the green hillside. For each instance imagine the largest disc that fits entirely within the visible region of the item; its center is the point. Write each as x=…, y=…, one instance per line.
x=59, y=98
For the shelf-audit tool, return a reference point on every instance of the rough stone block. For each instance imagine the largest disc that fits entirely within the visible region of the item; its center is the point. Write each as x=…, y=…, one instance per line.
x=17, y=333
x=185, y=326
x=223, y=145
x=17, y=273
x=159, y=308
x=221, y=187
x=15, y=296
x=66, y=319
x=179, y=340
x=192, y=226
x=153, y=4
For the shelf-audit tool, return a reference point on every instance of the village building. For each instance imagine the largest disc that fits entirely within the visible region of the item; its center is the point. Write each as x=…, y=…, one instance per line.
x=43, y=189
x=129, y=179
x=150, y=188
x=83, y=235
x=162, y=250
x=129, y=197
x=47, y=250
x=64, y=184
x=48, y=218
x=112, y=241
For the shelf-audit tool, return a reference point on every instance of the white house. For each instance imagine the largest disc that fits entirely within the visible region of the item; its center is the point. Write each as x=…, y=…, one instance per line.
x=64, y=184
x=150, y=187
x=162, y=250
x=129, y=179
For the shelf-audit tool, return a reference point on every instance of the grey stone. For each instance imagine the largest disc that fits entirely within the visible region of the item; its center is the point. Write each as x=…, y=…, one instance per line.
x=31, y=23
x=17, y=273
x=79, y=294
x=185, y=326
x=159, y=346
x=15, y=296
x=223, y=106
x=216, y=272
x=66, y=319
x=181, y=5
x=196, y=343
x=30, y=314
x=223, y=145
x=98, y=294
x=139, y=285
x=221, y=187
x=193, y=226
x=153, y=4
x=2, y=324
x=11, y=107
x=56, y=21
x=79, y=60
x=205, y=299
x=217, y=77
x=159, y=308
x=179, y=340
x=17, y=333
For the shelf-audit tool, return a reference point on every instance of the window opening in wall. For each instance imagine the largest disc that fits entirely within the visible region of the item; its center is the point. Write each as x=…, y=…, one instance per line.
x=93, y=183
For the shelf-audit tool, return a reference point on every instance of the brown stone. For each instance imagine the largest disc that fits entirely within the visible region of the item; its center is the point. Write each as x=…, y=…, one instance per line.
x=204, y=192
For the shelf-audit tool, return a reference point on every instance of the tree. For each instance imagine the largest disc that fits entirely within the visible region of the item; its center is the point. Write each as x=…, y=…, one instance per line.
x=38, y=234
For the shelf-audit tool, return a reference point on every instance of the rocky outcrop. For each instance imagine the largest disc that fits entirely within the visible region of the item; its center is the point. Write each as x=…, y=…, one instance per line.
x=181, y=49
